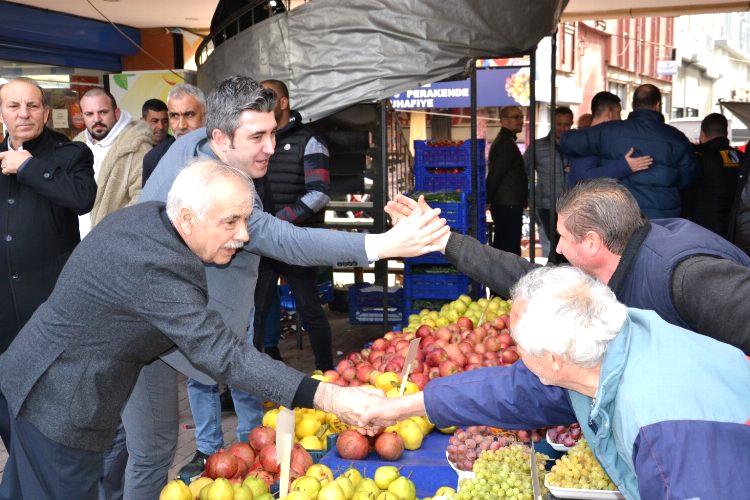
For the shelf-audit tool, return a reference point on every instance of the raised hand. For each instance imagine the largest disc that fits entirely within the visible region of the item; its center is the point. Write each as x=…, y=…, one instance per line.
x=402, y=207
x=637, y=163
x=422, y=231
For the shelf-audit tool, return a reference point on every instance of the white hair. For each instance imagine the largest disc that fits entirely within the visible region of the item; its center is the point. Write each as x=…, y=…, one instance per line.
x=568, y=313
x=192, y=187
x=184, y=89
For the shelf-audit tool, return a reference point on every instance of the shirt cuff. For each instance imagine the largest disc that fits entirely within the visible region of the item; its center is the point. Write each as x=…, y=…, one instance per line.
x=305, y=394
x=371, y=248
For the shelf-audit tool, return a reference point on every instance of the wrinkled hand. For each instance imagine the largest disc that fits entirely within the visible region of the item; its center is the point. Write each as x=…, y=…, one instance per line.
x=349, y=404
x=638, y=163
x=395, y=409
x=11, y=160
x=419, y=233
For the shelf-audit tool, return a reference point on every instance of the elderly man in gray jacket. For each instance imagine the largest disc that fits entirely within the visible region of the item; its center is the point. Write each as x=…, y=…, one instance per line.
x=133, y=289
x=240, y=131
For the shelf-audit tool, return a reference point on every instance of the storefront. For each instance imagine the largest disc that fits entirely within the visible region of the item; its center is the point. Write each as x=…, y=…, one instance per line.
x=66, y=54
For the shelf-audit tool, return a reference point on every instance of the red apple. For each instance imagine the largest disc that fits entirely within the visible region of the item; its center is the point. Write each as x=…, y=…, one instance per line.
x=466, y=348
x=349, y=374
x=363, y=373
x=374, y=356
x=480, y=349
x=505, y=338
x=380, y=345
x=465, y=323
x=492, y=343
x=434, y=372
x=343, y=365
x=389, y=336
x=456, y=338
x=472, y=366
x=435, y=357
x=443, y=334
x=424, y=331
x=390, y=349
x=420, y=379
x=400, y=344
x=499, y=323
x=331, y=375
x=453, y=328
x=460, y=360
x=447, y=368
x=355, y=357
x=374, y=377
x=509, y=356
x=475, y=359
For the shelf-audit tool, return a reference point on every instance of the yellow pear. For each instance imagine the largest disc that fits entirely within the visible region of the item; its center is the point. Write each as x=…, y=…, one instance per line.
x=387, y=495
x=403, y=488
x=411, y=434
x=422, y=424
x=320, y=472
x=387, y=380
x=385, y=475
x=445, y=491
x=353, y=475
x=331, y=491
x=346, y=486
x=307, y=426
x=368, y=486
x=256, y=485
x=197, y=485
x=221, y=489
x=306, y=484
x=298, y=495
x=175, y=490
x=311, y=443
x=241, y=492
x=269, y=419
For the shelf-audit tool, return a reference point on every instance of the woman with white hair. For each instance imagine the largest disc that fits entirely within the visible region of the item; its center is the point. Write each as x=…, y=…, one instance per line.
x=664, y=410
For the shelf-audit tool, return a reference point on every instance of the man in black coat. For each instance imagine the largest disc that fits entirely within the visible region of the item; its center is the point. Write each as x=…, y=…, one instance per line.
x=709, y=202
x=47, y=183
x=507, y=182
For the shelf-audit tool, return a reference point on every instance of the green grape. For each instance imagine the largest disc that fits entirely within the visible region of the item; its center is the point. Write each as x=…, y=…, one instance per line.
x=580, y=469
x=502, y=473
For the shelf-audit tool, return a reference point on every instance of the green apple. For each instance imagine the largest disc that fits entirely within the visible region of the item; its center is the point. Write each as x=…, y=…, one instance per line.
x=465, y=299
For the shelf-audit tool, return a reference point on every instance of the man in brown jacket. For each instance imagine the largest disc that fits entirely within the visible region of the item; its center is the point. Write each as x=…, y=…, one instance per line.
x=119, y=144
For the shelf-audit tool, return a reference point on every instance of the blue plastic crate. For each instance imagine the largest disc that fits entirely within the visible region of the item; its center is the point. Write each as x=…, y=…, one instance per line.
x=366, y=304
x=457, y=214
x=429, y=155
x=428, y=178
x=325, y=294
x=434, y=285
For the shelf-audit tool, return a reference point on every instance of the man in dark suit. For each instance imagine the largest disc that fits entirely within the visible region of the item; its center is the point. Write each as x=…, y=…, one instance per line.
x=134, y=289
x=47, y=183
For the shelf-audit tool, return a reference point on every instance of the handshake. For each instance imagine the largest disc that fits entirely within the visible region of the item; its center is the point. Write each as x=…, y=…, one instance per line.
x=367, y=408
x=417, y=229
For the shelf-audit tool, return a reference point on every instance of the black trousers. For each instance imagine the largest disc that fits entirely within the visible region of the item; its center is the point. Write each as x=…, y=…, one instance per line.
x=39, y=468
x=508, y=221
x=542, y=218
x=302, y=281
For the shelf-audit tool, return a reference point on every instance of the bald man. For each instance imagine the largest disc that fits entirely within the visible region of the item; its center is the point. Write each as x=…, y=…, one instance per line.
x=507, y=182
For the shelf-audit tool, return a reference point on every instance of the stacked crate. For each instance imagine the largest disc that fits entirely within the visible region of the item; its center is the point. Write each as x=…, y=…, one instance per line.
x=444, y=171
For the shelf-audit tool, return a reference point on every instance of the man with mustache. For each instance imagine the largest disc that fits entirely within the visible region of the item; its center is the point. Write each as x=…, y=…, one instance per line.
x=119, y=144
x=47, y=183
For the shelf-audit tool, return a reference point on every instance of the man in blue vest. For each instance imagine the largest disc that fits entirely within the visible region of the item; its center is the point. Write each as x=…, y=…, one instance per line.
x=299, y=180
x=690, y=276
x=663, y=409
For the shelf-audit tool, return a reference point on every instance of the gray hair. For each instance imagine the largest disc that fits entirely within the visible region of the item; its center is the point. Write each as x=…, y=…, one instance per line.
x=603, y=206
x=230, y=98
x=191, y=187
x=30, y=81
x=568, y=313
x=184, y=89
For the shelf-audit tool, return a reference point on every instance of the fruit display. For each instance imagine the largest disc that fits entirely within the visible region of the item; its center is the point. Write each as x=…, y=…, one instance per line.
x=465, y=446
x=319, y=483
x=205, y=488
x=580, y=469
x=567, y=436
x=480, y=312
x=503, y=473
x=311, y=427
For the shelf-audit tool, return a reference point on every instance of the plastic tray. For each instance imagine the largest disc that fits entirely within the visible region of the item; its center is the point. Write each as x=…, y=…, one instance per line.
x=583, y=494
x=555, y=446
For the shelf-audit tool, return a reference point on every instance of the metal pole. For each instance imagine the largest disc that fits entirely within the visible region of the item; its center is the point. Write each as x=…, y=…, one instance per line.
x=381, y=195
x=552, y=236
x=476, y=203
x=532, y=154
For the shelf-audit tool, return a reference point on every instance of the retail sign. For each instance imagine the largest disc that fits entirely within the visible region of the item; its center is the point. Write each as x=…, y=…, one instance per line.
x=667, y=68
x=495, y=87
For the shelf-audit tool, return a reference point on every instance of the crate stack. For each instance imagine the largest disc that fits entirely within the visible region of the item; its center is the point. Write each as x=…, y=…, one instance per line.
x=444, y=170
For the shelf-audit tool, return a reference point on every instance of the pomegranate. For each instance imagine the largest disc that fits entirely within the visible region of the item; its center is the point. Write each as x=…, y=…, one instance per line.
x=389, y=446
x=243, y=451
x=268, y=458
x=352, y=445
x=221, y=464
x=241, y=469
x=301, y=459
x=260, y=437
